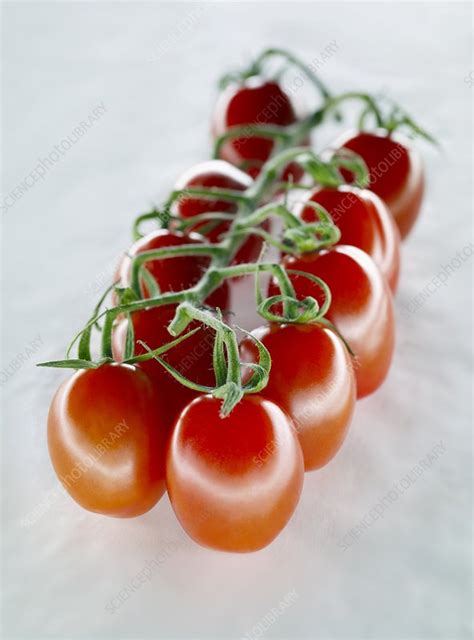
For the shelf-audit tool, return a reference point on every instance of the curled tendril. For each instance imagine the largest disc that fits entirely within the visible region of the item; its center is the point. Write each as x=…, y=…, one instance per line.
x=310, y=237
x=293, y=310
x=353, y=162
x=321, y=284
x=303, y=311
x=261, y=370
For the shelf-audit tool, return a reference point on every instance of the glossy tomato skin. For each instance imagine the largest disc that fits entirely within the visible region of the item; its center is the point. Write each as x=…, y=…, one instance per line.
x=234, y=482
x=361, y=307
x=192, y=358
x=313, y=381
x=106, y=440
x=395, y=171
x=364, y=222
x=256, y=101
x=172, y=274
x=212, y=173
x=216, y=173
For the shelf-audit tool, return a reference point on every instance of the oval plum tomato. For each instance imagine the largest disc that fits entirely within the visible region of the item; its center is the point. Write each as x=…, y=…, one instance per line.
x=216, y=173
x=364, y=222
x=192, y=358
x=254, y=102
x=395, y=172
x=106, y=440
x=313, y=381
x=361, y=308
x=172, y=274
x=234, y=482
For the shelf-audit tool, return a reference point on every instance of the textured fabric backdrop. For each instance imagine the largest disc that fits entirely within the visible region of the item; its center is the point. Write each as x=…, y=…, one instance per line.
x=149, y=70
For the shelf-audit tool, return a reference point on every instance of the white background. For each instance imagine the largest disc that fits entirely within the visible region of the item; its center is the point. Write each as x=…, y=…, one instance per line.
x=408, y=575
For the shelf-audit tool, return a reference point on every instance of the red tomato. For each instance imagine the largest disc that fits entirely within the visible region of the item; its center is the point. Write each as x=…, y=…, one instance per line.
x=395, y=171
x=234, y=482
x=254, y=102
x=361, y=307
x=312, y=380
x=106, y=440
x=192, y=358
x=216, y=173
x=172, y=274
x=364, y=221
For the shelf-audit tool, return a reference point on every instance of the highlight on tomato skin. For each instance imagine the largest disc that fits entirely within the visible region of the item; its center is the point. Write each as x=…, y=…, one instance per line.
x=192, y=358
x=211, y=173
x=222, y=174
x=106, y=439
x=396, y=172
x=312, y=379
x=255, y=101
x=361, y=307
x=171, y=274
x=234, y=482
x=364, y=222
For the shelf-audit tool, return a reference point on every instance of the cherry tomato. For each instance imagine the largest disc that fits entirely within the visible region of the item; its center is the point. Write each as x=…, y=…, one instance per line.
x=361, y=307
x=254, y=102
x=106, y=440
x=395, y=171
x=313, y=381
x=192, y=358
x=234, y=482
x=172, y=274
x=216, y=173
x=364, y=221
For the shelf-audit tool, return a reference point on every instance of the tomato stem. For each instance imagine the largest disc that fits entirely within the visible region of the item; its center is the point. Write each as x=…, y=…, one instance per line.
x=297, y=237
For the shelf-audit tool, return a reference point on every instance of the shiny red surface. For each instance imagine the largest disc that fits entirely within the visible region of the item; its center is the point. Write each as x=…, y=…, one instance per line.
x=255, y=102
x=361, y=307
x=234, y=482
x=364, y=222
x=312, y=380
x=395, y=171
x=106, y=438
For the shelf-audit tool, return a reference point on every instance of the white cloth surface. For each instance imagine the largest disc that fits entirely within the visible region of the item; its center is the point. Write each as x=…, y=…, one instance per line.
x=154, y=67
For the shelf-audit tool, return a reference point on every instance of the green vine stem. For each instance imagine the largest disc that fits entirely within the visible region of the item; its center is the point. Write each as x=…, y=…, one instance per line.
x=189, y=302
x=210, y=193
x=256, y=68
x=139, y=260
x=396, y=117
x=229, y=386
x=72, y=363
x=298, y=237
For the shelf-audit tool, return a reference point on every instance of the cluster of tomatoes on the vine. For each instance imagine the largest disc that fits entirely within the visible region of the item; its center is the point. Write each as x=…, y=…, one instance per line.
x=197, y=412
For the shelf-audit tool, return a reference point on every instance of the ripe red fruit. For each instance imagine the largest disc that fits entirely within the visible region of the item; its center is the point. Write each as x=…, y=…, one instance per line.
x=364, y=222
x=256, y=101
x=395, y=171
